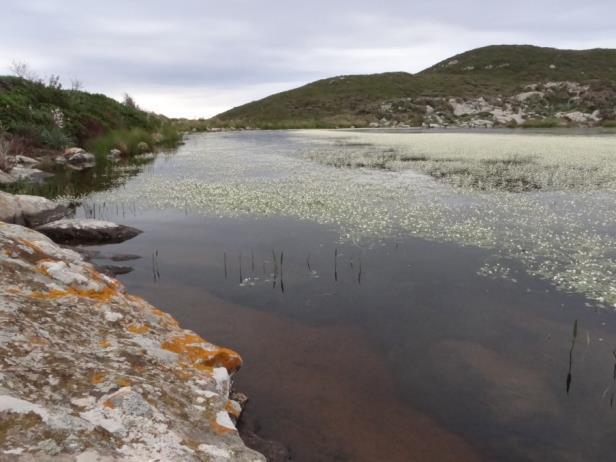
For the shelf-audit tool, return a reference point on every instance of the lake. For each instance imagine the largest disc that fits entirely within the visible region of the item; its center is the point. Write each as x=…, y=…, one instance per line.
x=395, y=296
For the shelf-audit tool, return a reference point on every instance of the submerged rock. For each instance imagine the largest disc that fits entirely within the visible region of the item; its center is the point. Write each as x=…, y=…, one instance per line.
x=87, y=231
x=31, y=211
x=90, y=373
x=114, y=270
x=124, y=257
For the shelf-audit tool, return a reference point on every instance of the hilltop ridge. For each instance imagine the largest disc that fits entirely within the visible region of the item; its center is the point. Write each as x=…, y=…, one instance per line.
x=498, y=85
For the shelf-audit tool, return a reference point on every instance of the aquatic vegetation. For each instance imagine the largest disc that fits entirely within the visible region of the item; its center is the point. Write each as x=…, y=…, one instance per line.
x=487, y=161
x=563, y=230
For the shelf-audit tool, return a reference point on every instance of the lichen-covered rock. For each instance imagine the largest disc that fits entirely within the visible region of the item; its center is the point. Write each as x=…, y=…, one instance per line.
x=31, y=211
x=87, y=231
x=88, y=372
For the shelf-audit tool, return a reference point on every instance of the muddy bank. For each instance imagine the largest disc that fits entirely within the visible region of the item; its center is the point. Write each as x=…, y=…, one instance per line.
x=88, y=372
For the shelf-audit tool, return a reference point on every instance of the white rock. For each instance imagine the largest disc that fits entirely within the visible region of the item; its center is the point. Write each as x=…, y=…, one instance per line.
x=529, y=94
x=5, y=178
x=24, y=160
x=29, y=174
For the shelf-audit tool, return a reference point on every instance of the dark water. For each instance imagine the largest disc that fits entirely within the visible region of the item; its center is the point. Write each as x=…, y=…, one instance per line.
x=393, y=350
x=396, y=351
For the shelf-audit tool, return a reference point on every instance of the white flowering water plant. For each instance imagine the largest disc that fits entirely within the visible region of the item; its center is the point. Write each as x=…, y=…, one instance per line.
x=545, y=200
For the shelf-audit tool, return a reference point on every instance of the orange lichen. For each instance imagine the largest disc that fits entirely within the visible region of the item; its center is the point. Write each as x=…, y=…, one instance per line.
x=109, y=404
x=97, y=377
x=103, y=295
x=183, y=374
x=123, y=382
x=195, y=352
x=138, y=328
x=104, y=343
x=39, y=254
x=42, y=269
x=36, y=340
x=219, y=428
x=233, y=408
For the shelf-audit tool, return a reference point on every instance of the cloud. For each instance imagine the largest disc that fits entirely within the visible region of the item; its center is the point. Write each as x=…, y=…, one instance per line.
x=199, y=57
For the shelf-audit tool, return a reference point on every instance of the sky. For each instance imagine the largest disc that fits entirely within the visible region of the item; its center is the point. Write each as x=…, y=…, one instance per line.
x=197, y=58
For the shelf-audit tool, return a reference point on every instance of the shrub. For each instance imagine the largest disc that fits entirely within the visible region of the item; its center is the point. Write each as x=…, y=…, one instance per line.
x=128, y=141
x=4, y=154
x=55, y=138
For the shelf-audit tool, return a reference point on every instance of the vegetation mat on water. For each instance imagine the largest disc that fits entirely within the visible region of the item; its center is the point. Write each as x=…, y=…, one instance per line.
x=563, y=228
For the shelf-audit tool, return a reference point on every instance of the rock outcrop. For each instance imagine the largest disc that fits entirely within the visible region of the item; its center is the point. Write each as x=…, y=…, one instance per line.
x=31, y=211
x=33, y=175
x=87, y=231
x=90, y=373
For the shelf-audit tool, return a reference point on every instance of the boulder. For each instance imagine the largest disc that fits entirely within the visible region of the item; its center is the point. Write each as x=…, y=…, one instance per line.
x=72, y=151
x=87, y=231
x=113, y=270
x=82, y=158
x=31, y=211
x=61, y=160
x=26, y=161
x=95, y=374
x=5, y=178
x=30, y=174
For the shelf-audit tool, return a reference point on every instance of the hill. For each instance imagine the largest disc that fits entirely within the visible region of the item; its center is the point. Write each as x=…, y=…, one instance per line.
x=35, y=115
x=490, y=86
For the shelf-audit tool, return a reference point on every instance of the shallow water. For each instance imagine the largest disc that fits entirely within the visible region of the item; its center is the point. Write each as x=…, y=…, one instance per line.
x=386, y=329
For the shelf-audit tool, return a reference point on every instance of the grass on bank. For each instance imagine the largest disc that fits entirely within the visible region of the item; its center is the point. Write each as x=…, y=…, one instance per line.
x=134, y=141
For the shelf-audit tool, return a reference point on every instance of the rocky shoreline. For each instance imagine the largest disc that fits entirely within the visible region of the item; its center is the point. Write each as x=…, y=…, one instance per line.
x=91, y=373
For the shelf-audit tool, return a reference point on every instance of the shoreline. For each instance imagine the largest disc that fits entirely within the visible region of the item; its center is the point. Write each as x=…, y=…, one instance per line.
x=132, y=376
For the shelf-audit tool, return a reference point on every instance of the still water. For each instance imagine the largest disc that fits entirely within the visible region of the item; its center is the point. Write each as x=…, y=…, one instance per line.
x=364, y=341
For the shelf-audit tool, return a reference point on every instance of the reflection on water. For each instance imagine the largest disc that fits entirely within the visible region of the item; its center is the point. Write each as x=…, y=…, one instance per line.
x=573, y=339
x=472, y=365
x=392, y=347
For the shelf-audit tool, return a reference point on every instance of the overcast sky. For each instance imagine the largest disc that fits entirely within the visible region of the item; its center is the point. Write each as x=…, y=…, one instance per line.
x=196, y=58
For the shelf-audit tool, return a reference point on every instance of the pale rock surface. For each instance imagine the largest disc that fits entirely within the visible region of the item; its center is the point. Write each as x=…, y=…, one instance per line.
x=29, y=174
x=26, y=161
x=90, y=373
x=27, y=210
x=5, y=178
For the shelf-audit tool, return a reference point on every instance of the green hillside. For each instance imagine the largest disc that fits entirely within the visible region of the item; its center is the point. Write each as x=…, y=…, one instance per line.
x=530, y=63
x=493, y=73
x=38, y=115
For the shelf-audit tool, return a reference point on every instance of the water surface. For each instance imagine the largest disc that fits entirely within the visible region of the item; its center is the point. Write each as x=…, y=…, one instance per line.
x=382, y=315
